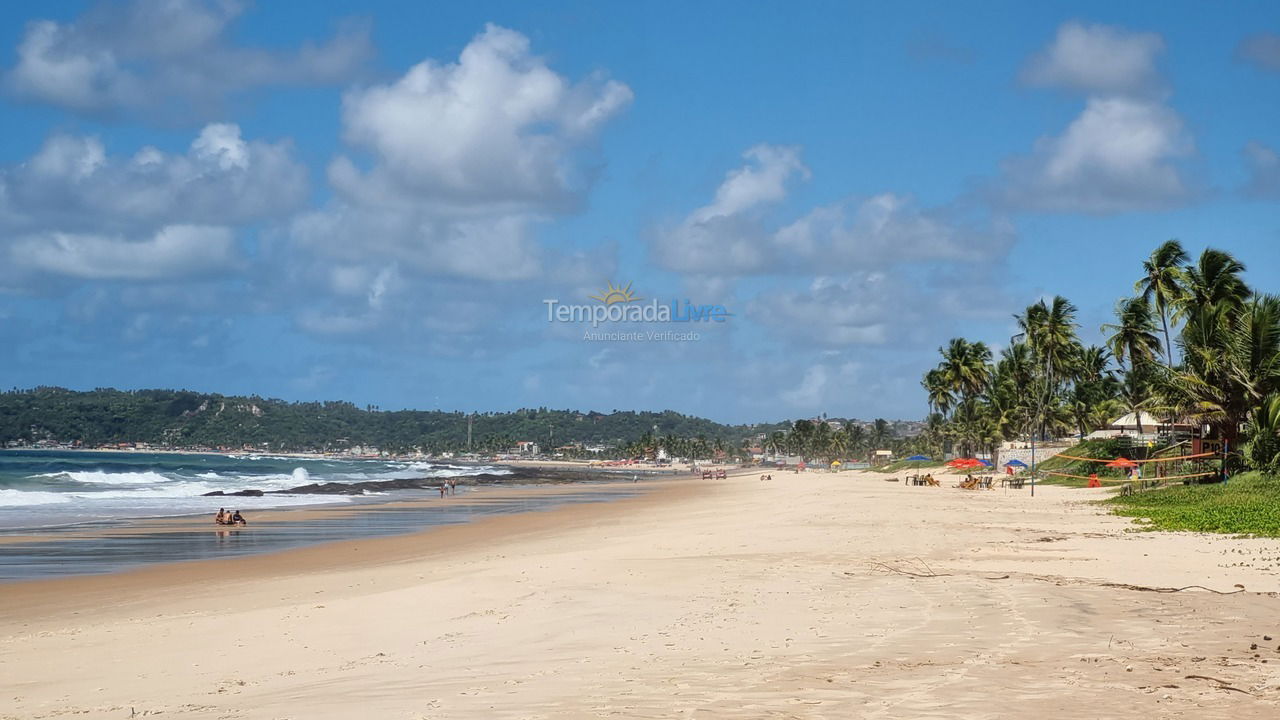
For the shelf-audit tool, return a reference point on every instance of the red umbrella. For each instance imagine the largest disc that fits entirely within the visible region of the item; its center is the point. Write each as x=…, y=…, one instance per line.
x=965, y=463
x=1121, y=462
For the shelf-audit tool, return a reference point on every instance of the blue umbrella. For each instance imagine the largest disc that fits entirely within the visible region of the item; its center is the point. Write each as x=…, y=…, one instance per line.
x=919, y=457
x=985, y=463
x=1016, y=463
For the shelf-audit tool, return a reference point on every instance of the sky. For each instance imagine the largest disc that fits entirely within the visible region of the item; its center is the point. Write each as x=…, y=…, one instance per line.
x=294, y=201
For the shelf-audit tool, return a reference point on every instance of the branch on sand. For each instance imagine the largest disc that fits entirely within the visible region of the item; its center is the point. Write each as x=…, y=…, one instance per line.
x=1144, y=588
x=915, y=568
x=1222, y=684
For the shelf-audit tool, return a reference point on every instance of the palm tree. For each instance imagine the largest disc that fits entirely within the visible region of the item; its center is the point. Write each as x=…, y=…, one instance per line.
x=1134, y=336
x=938, y=388
x=857, y=437
x=1161, y=284
x=1213, y=282
x=1050, y=331
x=775, y=443
x=880, y=432
x=1231, y=362
x=964, y=367
x=1263, y=446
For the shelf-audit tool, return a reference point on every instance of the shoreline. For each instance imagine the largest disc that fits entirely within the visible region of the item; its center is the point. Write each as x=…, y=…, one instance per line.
x=404, y=513
x=88, y=591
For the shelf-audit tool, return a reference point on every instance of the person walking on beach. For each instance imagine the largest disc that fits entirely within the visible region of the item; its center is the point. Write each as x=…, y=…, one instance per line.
x=453, y=486
x=443, y=488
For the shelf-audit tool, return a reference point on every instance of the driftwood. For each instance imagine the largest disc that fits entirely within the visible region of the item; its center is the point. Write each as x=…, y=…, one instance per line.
x=920, y=569
x=1222, y=684
x=1144, y=588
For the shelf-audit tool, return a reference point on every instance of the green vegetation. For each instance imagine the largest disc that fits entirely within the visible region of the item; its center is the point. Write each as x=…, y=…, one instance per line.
x=1225, y=372
x=897, y=465
x=1247, y=505
x=1106, y=448
x=847, y=440
x=181, y=418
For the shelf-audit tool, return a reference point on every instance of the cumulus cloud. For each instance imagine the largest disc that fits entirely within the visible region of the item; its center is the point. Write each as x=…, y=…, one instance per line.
x=173, y=252
x=497, y=127
x=1097, y=59
x=1124, y=151
x=71, y=183
x=725, y=236
x=173, y=55
x=455, y=165
x=1262, y=50
x=855, y=310
x=499, y=247
x=1264, y=172
x=735, y=234
x=1120, y=154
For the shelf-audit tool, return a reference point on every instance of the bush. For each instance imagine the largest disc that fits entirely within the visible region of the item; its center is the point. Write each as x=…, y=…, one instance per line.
x=1247, y=505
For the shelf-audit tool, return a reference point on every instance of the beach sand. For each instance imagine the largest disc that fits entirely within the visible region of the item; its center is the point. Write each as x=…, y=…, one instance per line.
x=728, y=598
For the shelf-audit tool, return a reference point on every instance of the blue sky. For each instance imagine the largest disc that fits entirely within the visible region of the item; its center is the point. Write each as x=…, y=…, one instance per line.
x=290, y=200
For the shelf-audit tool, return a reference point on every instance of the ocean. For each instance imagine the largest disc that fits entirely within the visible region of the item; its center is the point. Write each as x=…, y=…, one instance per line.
x=41, y=489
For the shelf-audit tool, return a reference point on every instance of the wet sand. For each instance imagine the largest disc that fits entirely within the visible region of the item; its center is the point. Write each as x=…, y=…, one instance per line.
x=810, y=596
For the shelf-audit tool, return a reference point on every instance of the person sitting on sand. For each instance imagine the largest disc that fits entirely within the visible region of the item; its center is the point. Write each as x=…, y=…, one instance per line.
x=238, y=519
x=221, y=517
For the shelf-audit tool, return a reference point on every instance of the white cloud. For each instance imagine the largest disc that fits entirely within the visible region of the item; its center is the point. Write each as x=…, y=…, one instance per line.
x=822, y=386
x=174, y=55
x=733, y=235
x=1264, y=171
x=1097, y=59
x=1261, y=49
x=1120, y=154
x=71, y=183
x=856, y=310
x=456, y=166
x=496, y=128
x=1124, y=151
x=485, y=247
x=173, y=252
x=726, y=236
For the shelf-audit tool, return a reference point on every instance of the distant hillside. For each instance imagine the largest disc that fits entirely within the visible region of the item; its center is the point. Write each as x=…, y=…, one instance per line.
x=192, y=419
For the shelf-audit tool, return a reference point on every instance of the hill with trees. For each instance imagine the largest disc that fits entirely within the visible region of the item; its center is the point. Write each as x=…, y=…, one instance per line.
x=181, y=418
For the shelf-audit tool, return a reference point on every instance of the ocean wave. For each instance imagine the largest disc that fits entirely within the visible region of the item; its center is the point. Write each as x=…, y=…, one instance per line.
x=101, y=477
x=23, y=498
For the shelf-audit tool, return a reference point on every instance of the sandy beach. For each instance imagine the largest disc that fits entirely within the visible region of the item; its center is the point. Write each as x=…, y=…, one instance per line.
x=809, y=596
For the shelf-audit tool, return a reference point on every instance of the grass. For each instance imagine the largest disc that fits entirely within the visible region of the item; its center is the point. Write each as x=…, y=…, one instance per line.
x=897, y=465
x=1247, y=505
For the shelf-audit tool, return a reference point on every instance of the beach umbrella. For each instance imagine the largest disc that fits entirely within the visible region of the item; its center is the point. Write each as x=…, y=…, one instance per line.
x=984, y=463
x=1121, y=462
x=1016, y=463
x=917, y=458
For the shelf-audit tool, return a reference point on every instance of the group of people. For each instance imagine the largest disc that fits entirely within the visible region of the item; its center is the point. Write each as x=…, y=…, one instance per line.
x=229, y=518
x=449, y=487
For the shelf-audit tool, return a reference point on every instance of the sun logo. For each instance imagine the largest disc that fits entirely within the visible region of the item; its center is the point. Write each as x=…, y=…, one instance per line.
x=613, y=295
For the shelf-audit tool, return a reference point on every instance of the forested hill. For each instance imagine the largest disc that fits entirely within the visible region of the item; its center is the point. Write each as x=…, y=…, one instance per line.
x=190, y=419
